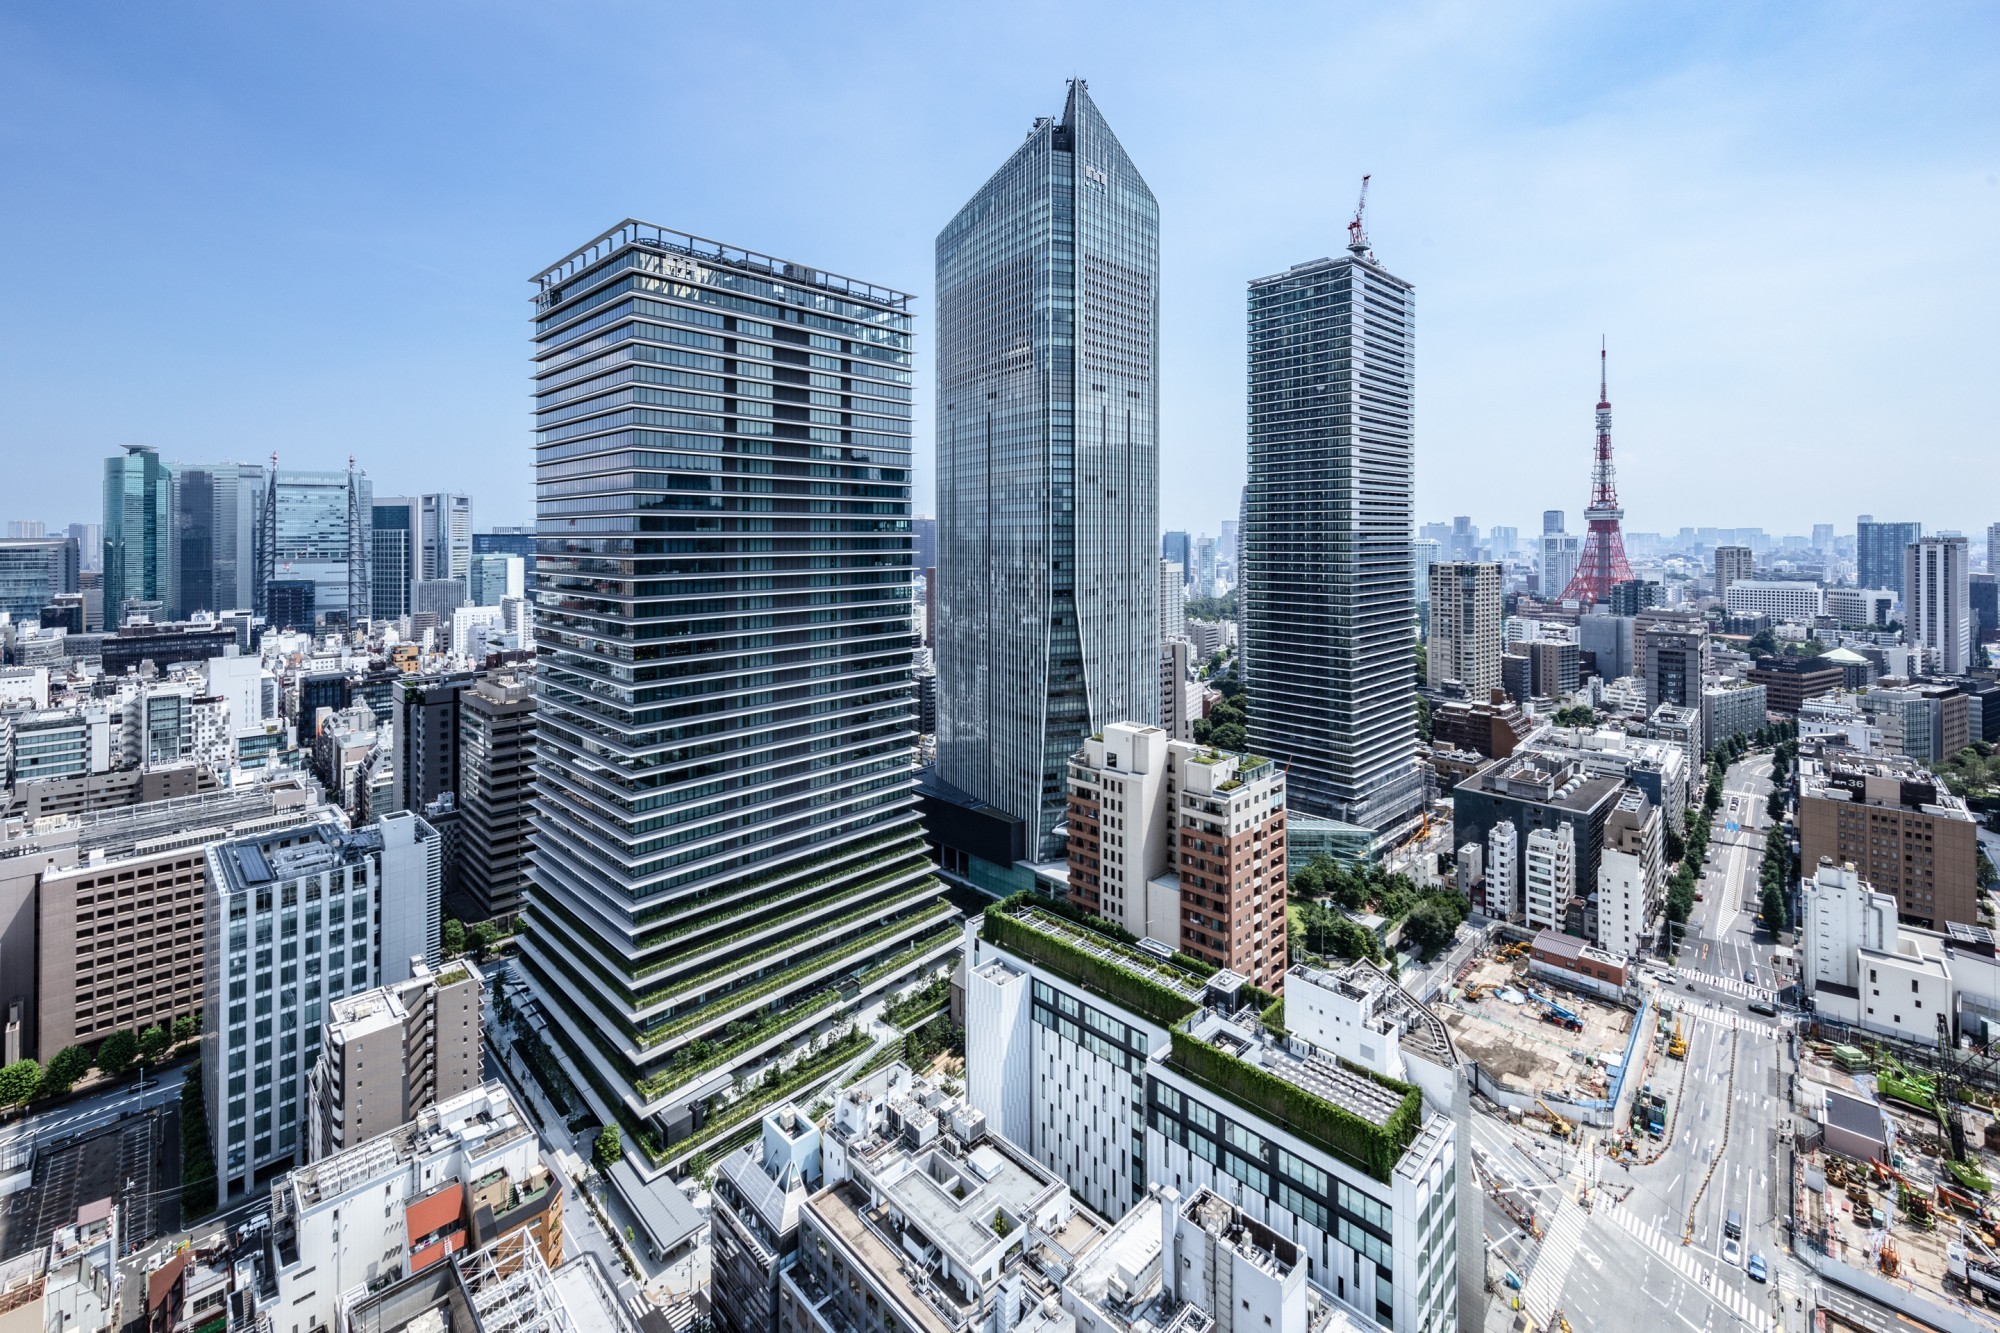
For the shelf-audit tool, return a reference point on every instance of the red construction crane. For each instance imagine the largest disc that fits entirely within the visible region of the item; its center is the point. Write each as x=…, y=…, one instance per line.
x=1357, y=236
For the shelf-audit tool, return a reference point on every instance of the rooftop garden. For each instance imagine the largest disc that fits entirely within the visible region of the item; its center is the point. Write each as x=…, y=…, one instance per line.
x=1091, y=952
x=1351, y=1137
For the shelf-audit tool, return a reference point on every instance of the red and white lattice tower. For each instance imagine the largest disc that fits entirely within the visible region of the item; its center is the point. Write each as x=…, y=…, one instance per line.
x=1602, y=562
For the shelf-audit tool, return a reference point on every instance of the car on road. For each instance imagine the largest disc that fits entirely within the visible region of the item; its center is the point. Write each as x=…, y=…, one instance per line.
x=1758, y=1272
x=1765, y=1008
x=1750, y=977
x=1732, y=1250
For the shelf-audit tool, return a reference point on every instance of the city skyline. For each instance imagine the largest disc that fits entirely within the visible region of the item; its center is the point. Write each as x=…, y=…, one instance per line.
x=1692, y=256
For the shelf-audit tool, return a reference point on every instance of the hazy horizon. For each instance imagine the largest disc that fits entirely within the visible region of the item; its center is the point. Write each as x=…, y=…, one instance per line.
x=308, y=229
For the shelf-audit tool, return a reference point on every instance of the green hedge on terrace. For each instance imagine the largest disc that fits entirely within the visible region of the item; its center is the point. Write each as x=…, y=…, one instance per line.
x=1373, y=1148
x=1142, y=995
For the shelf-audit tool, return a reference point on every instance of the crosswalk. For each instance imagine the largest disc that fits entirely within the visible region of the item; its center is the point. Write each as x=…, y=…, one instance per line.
x=1542, y=1293
x=1729, y=984
x=1728, y=1019
x=1693, y=1266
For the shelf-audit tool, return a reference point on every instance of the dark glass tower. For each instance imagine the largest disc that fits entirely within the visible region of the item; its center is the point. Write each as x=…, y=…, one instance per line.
x=1048, y=466
x=1329, y=587
x=726, y=853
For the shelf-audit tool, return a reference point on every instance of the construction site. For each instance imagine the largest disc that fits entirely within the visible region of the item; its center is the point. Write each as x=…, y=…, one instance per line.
x=1535, y=1040
x=1896, y=1174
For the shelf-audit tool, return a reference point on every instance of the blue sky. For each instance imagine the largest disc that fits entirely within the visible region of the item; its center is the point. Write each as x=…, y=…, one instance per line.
x=234, y=229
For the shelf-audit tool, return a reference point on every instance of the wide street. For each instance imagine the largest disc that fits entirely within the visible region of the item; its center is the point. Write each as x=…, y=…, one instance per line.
x=1646, y=1251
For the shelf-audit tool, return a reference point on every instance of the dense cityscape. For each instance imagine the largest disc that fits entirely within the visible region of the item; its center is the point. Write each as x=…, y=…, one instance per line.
x=743, y=900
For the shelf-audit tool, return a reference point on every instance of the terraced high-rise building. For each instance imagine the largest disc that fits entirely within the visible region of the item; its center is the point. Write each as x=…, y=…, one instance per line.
x=726, y=855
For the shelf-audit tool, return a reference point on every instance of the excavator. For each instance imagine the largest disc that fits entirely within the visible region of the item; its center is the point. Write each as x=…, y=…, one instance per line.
x=1557, y=1125
x=1677, y=1046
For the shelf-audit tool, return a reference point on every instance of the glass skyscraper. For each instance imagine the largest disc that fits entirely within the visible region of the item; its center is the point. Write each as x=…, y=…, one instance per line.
x=1048, y=466
x=215, y=531
x=139, y=546
x=392, y=570
x=319, y=529
x=1329, y=585
x=726, y=849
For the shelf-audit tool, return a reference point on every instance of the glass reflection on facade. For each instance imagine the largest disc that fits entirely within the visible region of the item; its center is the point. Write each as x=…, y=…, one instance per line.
x=215, y=531
x=315, y=538
x=726, y=850
x=1048, y=466
x=1329, y=587
x=139, y=545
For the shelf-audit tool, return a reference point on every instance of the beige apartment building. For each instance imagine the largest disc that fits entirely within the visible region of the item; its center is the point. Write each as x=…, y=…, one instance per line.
x=390, y=1052
x=1182, y=844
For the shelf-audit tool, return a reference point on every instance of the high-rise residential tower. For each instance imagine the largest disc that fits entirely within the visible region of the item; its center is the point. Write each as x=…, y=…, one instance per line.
x=724, y=830
x=1878, y=551
x=1048, y=286
x=139, y=546
x=1465, y=627
x=1937, y=601
x=1329, y=592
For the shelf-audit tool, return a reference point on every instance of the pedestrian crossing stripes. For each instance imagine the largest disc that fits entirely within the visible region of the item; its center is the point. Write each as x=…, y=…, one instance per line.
x=1727, y=1018
x=1728, y=984
x=1753, y=1311
x=1543, y=1292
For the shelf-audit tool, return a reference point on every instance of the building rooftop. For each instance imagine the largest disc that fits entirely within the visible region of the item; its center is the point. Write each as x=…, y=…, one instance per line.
x=1419, y=1031
x=935, y=1208
x=1887, y=781
x=480, y=1120
x=1547, y=779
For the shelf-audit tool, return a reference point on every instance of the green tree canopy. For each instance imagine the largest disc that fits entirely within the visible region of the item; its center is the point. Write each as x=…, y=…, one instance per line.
x=19, y=1082
x=65, y=1067
x=451, y=937
x=153, y=1044
x=116, y=1053
x=610, y=1146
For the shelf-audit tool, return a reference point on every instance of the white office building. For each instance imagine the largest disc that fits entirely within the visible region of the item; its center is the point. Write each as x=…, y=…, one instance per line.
x=1937, y=602
x=1864, y=969
x=1780, y=600
x=1858, y=607
x=1173, y=600
x=1630, y=875
x=1503, y=871
x=1157, y=1086
x=300, y=917
x=1548, y=876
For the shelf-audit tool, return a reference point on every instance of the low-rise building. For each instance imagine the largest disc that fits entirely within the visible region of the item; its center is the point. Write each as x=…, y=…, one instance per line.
x=1493, y=726
x=926, y=1221
x=460, y=1176
x=1863, y=969
x=759, y=1192
x=1565, y=958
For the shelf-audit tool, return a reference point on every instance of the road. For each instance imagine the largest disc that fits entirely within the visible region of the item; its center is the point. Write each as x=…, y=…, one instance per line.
x=1648, y=1251
x=72, y=1118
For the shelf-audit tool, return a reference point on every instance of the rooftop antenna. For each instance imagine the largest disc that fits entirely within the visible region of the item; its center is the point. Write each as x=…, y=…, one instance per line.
x=1357, y=234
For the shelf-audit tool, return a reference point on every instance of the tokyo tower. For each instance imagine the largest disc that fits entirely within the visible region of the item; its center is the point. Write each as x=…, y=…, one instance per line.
x=1602, y=563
